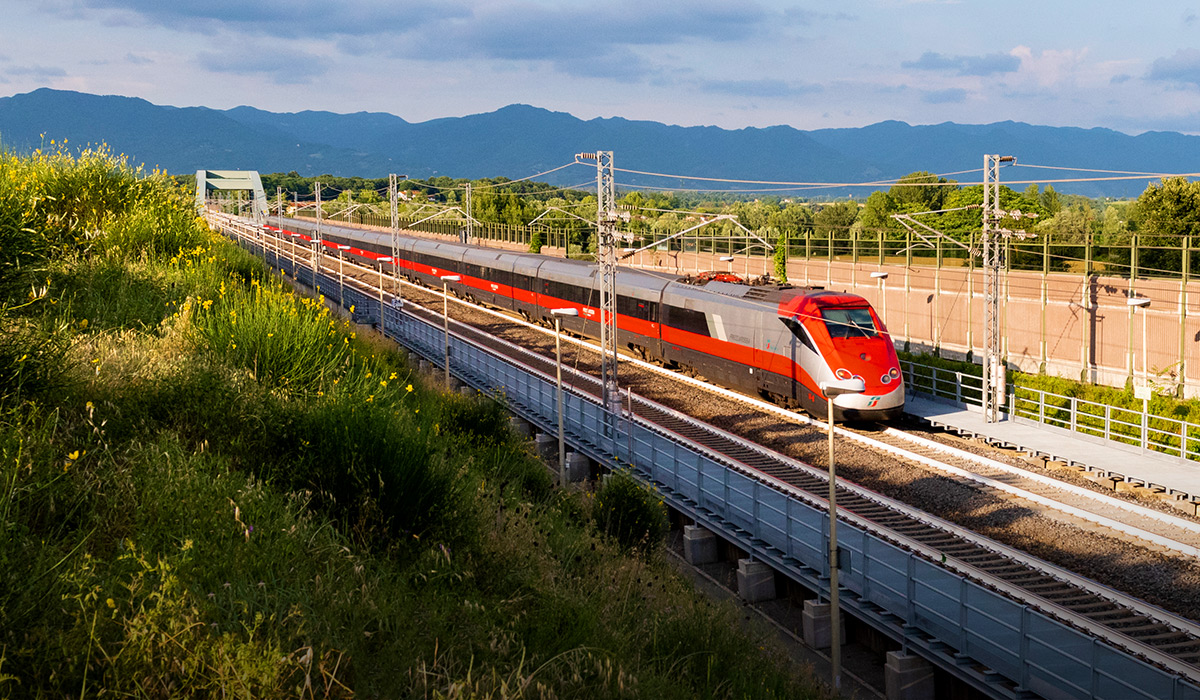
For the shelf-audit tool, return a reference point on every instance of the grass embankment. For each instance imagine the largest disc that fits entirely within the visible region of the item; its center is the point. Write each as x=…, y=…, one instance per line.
x=208, y=485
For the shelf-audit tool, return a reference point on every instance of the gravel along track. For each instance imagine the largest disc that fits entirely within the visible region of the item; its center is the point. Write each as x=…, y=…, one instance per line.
x=1168, y=580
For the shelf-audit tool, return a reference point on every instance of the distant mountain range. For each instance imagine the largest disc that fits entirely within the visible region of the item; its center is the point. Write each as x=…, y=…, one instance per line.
x=519, y=140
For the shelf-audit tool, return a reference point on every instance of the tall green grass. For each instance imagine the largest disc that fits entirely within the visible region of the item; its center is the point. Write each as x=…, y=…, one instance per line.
x=209, y=486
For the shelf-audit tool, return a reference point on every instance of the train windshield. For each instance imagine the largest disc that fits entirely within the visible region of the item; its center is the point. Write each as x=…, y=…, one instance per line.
x=849, y=323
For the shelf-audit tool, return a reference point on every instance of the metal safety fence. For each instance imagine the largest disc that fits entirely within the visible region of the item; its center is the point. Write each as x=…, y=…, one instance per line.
x=1136, y=427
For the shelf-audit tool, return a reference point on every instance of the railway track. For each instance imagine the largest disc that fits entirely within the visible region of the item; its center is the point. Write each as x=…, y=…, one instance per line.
x=1139, y=627
x=1169, y=640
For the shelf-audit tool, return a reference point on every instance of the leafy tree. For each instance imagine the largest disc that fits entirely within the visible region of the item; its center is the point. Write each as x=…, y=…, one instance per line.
x=919, y=191
x=781, y=256
x=1169, y=211
x=835, y=219
x=1114, y=226
x=1070, y=225
x=1049, y=201
x=876, y=214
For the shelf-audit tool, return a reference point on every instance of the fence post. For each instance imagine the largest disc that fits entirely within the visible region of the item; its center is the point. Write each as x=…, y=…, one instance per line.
x=1074, y=414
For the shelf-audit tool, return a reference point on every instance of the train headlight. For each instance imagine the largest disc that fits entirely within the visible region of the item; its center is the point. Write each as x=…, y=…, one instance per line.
x=887, y=378
x=842, y=373
x=894, y=373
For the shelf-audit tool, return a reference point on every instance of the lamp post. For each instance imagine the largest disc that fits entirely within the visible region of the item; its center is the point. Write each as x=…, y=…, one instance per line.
x=381, y=260
x=341, y=279
x=882, y=277
x=727, y=259
x=562, y=445
x=1142, y=392
x=832, y=390
x=316, y=256
x=446, y=280
x=292, y=236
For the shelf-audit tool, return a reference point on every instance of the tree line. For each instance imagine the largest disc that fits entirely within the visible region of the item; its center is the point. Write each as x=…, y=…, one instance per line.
x=1159, y=221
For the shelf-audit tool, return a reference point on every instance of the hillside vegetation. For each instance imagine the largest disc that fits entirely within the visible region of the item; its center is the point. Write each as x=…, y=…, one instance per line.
x=209, y=486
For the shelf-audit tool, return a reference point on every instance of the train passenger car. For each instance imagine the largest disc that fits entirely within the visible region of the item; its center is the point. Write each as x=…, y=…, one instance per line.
x=779, y=342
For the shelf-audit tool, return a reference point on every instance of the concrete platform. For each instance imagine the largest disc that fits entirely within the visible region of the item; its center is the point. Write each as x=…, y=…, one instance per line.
x=1121, y=463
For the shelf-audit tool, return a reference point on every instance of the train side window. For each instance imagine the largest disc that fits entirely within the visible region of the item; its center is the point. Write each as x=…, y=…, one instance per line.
x=687, y=320
x=636, y=308
x=798, y=330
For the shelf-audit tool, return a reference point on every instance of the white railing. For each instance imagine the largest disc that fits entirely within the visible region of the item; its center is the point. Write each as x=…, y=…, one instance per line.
x=1128, y=426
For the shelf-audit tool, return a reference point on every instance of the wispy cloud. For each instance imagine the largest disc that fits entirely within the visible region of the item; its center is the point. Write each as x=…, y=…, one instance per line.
x=38, y=72
x=282, y=18
x=1181, y=67
x=281, y=67
x=759, y=88
x=989, y=64
x=942, y=97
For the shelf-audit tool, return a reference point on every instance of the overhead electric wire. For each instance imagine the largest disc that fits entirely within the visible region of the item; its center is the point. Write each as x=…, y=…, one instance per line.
x=876, y=183
x=1086, y=170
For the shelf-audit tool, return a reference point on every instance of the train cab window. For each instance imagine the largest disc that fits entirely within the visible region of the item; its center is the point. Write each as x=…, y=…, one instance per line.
x=849, y=323
x=798, y=330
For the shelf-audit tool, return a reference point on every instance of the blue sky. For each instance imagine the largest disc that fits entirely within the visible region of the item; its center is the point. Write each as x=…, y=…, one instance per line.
x=1132, y=67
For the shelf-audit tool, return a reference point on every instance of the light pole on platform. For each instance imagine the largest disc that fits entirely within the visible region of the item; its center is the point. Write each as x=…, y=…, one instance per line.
x=832, y=390
x=341, y=278
x=381, y=260
x=562, y=445
x=446, y=280
x=882, y=277
x=1142, y=392
x=727, y=259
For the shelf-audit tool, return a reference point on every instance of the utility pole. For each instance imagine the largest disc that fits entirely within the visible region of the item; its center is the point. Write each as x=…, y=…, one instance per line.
x=393, y=201
x=317, y=239
x=994, y=240
x=606, y=254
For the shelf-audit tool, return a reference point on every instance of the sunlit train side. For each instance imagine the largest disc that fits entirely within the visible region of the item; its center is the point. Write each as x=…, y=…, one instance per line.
x=780, y=342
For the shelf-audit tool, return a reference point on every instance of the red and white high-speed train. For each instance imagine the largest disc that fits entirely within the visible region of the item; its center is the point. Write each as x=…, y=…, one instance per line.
x=776, y=341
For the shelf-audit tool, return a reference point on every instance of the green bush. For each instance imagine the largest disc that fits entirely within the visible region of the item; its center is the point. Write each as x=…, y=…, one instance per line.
x=629, y=512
